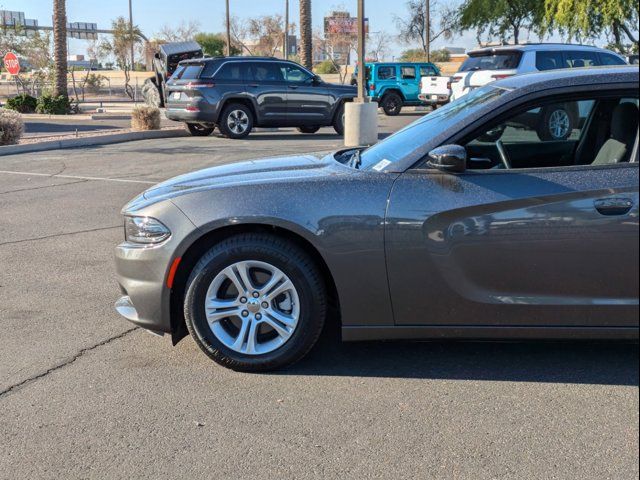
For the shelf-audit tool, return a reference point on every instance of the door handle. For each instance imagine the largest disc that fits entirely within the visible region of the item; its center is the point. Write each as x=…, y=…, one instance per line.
x=293, y=87
x=254, y=85
x=613, y=206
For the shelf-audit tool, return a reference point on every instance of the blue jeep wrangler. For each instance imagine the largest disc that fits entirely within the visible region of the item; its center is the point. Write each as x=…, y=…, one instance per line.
x=394, y=85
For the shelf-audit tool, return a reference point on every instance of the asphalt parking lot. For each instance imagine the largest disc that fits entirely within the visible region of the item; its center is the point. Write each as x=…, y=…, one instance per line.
x=83, y=394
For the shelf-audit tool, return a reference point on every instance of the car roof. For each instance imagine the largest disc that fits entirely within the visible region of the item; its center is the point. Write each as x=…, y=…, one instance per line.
x=572, y=76
x=536, y=47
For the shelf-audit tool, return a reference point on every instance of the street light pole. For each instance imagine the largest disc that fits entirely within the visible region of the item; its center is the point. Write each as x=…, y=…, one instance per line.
x=286, y=30
x=228, y=31
x=361, y=53
x=131, y=35
x=427, y=29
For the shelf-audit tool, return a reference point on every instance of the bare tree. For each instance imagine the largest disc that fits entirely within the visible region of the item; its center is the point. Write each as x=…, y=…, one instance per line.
x=119, y=47
x=412, y=27
x=240, y=35
x=268, y=31
x=379, y=44
x=184, y=32
x=337, y=49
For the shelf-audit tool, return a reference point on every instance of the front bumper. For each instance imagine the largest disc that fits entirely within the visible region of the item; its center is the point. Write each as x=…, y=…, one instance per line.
x=142, y=271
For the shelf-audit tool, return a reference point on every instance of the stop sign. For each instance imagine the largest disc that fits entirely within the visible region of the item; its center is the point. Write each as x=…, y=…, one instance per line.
x=11, y=63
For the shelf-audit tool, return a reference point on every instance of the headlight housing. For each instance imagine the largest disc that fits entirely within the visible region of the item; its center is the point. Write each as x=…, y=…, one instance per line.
x=145, y=230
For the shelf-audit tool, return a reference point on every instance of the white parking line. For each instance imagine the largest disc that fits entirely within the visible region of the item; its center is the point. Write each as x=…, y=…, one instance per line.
x=75, y=177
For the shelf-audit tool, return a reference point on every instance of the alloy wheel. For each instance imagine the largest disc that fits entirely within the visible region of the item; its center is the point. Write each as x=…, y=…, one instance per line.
x=238, y=122
x=252, y=307
x=559, y=123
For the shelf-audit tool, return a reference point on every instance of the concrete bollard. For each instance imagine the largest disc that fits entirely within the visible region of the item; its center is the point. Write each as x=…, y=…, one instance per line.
x=360, y=124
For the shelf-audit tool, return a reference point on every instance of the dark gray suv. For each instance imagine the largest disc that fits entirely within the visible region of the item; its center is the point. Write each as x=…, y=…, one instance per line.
x=240, y=93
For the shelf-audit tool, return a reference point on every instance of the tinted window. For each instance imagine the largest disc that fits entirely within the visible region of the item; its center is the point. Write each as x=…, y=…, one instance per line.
x=386, y=73
x=190, y=72
x=209, y=69
x=428, y=71
x=294, y=74
x=499, y=61
x=549, y=60
x=230, y=71
x=408, y=73
x=581, y=59
x=266, y=72
x=608, y=59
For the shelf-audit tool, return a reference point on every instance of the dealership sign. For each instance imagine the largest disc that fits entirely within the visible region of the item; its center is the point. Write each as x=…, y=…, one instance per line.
x=11, y=63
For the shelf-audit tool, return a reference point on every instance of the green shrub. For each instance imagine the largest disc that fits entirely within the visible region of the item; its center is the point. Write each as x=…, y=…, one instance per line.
x=95, y=82
x=22, y=103
x=51, y=105
x=326, y=68
x=11, y=127
x=145, y=118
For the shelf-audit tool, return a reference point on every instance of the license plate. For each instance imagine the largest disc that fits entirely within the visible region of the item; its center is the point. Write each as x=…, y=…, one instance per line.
x=175, y=95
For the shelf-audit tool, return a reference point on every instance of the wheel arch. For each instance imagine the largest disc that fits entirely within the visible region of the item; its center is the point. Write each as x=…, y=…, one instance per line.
x=243, y=101
x=397, y=91
x=210, y=238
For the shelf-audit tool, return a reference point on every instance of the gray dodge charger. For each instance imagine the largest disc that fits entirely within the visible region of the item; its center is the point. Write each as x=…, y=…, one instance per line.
x=469, y=223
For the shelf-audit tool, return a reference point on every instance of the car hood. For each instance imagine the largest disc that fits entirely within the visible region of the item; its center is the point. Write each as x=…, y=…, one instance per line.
x=346, y=89
x=269, y=171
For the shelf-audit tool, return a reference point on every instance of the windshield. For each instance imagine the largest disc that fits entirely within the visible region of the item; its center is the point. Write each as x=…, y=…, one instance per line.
x=501, y=61
x=408, y=140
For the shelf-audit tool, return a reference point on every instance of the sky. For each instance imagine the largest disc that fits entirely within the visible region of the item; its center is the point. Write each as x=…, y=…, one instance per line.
x=151, y=15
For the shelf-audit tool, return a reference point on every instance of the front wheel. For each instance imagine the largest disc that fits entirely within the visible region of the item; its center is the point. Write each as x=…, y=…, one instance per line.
x=338, y=121
x=198, y=130
x=236, y=121
x=308, y=130
x=255, y=303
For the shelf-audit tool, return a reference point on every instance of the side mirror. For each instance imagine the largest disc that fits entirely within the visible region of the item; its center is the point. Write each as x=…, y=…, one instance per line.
x=448, y=158
x=316, y=80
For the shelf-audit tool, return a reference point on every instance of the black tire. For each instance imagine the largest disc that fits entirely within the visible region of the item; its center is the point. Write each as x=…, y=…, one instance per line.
x=288, y=258
x=549, y=130
x=224, y=121
x=338, y=120
x=151, y=93
x=198, y=130
x=308, y=130
x=391, y=104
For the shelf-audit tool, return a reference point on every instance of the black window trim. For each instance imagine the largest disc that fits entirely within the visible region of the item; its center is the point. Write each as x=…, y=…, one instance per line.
x=531, y=101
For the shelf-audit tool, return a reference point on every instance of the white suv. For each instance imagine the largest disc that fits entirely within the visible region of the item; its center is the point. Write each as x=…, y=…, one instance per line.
x=486, y=65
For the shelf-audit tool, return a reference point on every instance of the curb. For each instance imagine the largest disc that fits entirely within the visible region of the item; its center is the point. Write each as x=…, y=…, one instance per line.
x=80, y=117
x=91, y=141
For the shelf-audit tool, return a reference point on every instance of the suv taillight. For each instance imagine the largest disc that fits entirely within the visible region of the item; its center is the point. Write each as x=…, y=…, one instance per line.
x=453, y=80
x=372, y=87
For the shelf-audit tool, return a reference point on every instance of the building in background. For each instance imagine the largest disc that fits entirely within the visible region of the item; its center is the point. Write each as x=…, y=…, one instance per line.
x=341, y=35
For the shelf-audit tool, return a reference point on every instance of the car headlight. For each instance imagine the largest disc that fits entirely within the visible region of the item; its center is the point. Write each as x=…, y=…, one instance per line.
x=145, y=230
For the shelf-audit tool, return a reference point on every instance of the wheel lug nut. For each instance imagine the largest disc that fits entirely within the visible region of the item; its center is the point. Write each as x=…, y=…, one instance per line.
x=256, y=294
x=245, y=313
x=258, y=316
x=243, y=300
x=265, y=305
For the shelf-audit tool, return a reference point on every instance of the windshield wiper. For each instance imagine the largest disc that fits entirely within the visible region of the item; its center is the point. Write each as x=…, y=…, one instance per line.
x=355, y=161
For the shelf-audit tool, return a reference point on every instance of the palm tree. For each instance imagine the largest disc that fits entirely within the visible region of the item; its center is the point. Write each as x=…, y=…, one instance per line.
x=60, y=46
x=306, y=50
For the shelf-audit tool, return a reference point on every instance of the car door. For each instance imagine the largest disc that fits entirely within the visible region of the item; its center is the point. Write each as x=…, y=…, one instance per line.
x=268, y=88
x=410, y=82
x=308, y=100
x=550, y=246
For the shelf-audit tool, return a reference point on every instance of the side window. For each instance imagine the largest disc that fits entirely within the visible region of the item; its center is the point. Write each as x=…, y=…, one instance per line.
x=427, y=71
x=190, y=72
x=230, y=72
x=386, y=73
x=265, y=72
x=608, y=59
x=549, y=61
x=580, y=59
x=294, y=74
x=408, y=73
x=545, y=136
